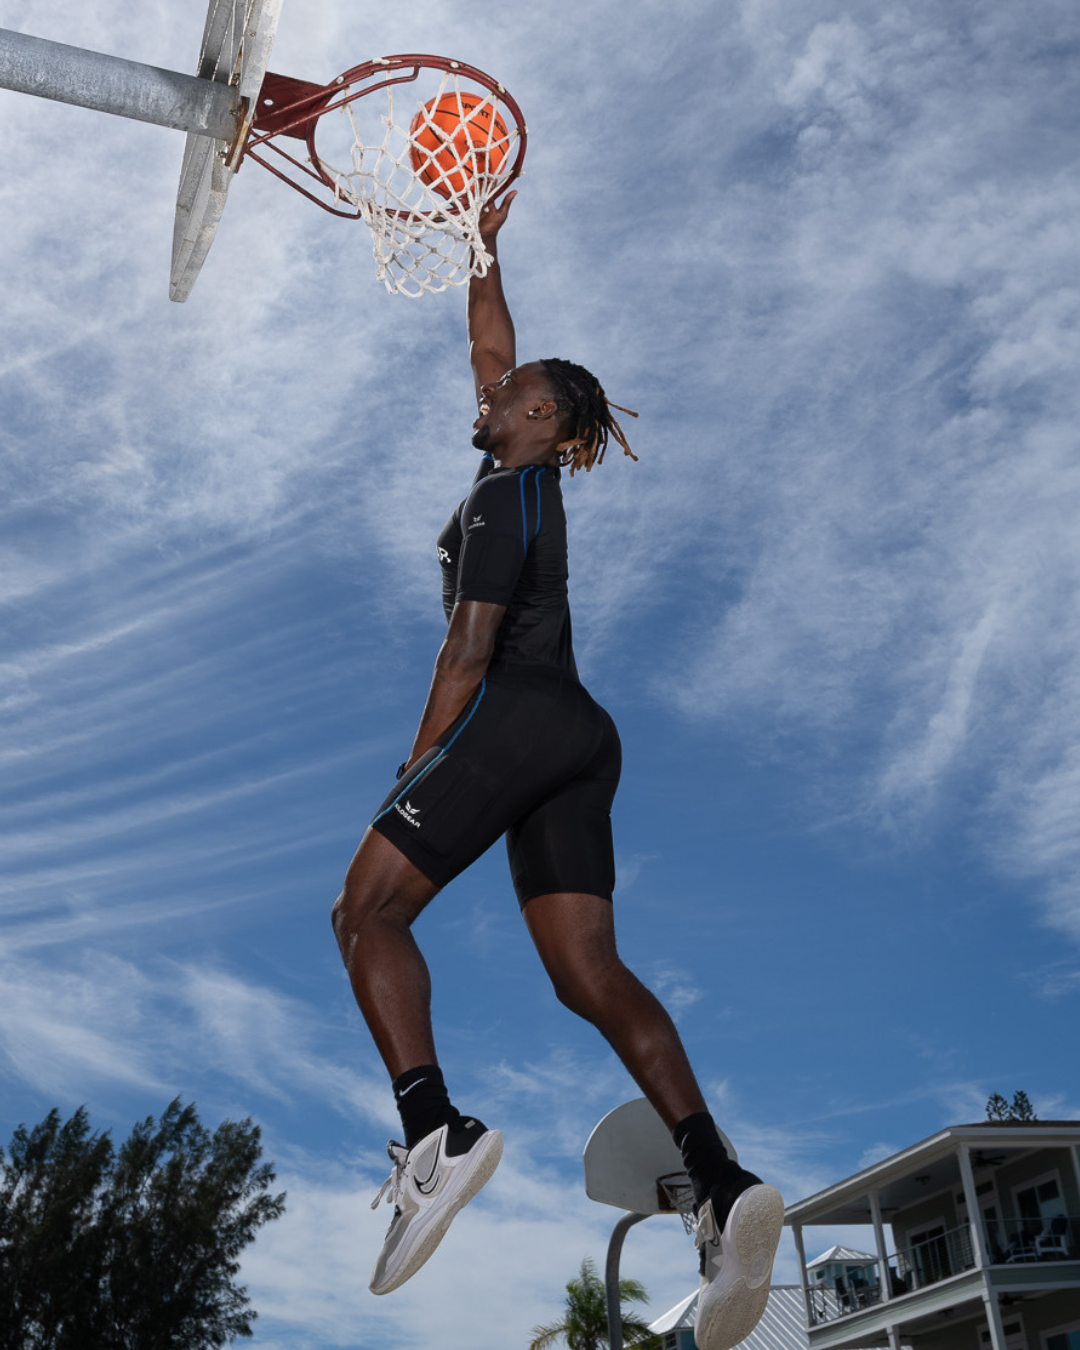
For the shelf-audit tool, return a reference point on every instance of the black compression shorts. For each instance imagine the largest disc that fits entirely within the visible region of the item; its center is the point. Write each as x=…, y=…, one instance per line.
x=533, y=757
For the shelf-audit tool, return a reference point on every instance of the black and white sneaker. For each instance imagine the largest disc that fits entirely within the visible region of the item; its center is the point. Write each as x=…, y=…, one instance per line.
x=736, y=1266
x=427, y=1189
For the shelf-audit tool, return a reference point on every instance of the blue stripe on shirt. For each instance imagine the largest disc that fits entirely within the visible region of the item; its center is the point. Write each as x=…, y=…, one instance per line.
x=524, y=514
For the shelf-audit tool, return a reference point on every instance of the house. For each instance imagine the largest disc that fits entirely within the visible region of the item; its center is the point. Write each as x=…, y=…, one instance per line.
x=972, y=1243
x=841, y=1267
x=975, y=1241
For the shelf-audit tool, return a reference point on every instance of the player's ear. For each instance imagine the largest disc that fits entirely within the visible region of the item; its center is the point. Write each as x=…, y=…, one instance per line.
x=545, y=410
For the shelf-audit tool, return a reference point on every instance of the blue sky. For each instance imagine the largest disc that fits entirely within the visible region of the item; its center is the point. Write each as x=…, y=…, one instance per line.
x=829, y=253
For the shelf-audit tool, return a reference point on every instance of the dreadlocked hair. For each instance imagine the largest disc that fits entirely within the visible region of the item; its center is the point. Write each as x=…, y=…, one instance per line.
x=588, y=415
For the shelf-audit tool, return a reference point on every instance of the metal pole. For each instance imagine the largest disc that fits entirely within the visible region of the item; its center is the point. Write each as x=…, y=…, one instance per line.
x=109, y=84
x=614, y=1303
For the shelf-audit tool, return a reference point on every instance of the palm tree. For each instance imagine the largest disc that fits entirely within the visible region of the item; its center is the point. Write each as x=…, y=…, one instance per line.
x=584, y=1326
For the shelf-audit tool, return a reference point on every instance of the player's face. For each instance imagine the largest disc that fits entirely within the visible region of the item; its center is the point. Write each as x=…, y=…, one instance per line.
x=497, y=401
x=506, y=404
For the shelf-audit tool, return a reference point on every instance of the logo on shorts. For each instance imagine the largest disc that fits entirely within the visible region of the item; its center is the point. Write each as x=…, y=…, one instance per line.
x=408, y=813
x=477, y=521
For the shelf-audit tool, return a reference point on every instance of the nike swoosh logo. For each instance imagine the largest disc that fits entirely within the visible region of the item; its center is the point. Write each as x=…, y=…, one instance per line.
x=405, y=1092
x=431, y=1182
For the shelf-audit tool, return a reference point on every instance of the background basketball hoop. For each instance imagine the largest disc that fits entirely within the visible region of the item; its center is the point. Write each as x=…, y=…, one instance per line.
x=419, y=145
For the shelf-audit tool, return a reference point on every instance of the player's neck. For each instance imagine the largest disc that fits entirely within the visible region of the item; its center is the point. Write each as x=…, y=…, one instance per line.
x=525, y=454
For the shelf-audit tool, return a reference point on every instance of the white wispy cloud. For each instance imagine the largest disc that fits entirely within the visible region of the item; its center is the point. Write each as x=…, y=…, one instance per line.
x=676, y=990
x=79, y=1029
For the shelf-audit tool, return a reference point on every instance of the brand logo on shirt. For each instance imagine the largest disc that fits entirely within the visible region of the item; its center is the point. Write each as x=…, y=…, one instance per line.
x=477, y=521
x=444, y=557
x=408, y=813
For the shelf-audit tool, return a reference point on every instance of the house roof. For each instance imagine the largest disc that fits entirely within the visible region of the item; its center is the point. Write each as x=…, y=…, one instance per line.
x=842, y=1254
x=926, y=1167
x=682, y=1315
x=782, y=1325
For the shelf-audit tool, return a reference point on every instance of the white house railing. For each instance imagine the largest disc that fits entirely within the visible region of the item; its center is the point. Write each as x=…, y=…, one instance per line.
x=920, y=1264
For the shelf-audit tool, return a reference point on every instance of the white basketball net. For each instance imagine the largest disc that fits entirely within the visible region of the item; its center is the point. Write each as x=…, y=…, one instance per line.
x=426, y=239
x=679, y=1193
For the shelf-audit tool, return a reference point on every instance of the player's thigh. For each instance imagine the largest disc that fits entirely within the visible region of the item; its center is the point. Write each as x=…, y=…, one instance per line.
x=574, y=935
x=380, y=881
x=563, y=843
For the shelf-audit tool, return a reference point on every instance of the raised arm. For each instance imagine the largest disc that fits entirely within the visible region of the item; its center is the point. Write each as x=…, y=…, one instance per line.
x=492, y=346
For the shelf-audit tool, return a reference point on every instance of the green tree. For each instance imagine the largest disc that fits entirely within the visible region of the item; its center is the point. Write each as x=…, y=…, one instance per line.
x=584, y=1325
x=133, y=1248
x=1020, y=1108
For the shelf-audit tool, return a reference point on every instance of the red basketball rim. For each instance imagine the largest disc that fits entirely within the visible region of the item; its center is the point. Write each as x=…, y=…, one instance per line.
x=300, y=118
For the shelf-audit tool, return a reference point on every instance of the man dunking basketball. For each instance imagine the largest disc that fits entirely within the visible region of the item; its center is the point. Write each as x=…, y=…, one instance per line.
x=511, y=743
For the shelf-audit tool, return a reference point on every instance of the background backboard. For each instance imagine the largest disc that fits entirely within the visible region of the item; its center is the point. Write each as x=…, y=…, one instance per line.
x=235, y=51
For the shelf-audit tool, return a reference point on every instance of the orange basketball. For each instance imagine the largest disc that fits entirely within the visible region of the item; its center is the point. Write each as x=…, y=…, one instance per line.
x=454, y=138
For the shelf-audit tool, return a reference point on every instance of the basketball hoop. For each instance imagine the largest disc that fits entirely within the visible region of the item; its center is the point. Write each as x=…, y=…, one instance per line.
x=417, y=165
x=675, y=1194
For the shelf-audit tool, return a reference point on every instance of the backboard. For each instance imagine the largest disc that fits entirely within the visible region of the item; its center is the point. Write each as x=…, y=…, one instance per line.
x=235, y=51
x=627, y=1154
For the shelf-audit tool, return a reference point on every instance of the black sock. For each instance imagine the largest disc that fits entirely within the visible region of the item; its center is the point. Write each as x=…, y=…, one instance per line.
x=704, y=1154
x=711, y=1171
x=422, y=1102
x=424, y=1106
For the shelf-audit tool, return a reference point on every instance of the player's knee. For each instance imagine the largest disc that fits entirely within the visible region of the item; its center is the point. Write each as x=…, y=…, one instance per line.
x=593, y=991
x=360, y=905
x=339, y=916
x=570, y=999
x=574, y=993
x=351, y=912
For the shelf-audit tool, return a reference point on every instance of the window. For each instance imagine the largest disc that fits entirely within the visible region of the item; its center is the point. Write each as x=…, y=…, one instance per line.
x=994, y=1232
x=1040, y=1202
x=1065, y=1339
x=930, y=1255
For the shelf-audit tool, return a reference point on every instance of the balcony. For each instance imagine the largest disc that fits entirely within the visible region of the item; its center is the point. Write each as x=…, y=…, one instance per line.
x=1014, y=1241
x=922, y=1264
x=935, y=1259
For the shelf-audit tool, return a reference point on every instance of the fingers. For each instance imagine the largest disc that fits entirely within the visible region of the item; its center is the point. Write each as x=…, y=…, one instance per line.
x=503, y=207
x=493, y=216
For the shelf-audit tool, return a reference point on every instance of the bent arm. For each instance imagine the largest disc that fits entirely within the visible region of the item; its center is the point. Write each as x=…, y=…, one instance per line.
x=492, y=344
x=460, y=666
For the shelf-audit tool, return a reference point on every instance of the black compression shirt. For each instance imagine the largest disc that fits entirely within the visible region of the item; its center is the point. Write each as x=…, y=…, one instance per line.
x=506, y=545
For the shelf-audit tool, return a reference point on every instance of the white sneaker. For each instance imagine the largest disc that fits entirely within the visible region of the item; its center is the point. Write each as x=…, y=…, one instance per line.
x=427, y=1188
x=736, y=1266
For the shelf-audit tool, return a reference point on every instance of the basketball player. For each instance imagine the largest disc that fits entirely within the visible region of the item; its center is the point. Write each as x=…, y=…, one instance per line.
x=510, y=742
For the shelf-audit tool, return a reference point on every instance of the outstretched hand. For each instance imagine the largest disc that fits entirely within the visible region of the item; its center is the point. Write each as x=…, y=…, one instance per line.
x=493, y=217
